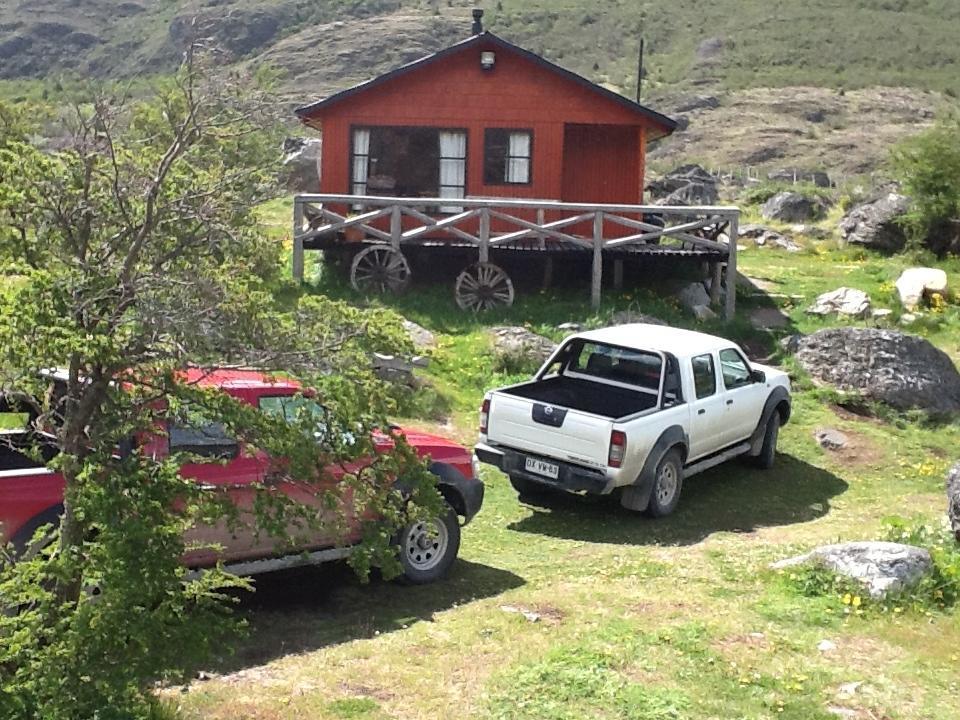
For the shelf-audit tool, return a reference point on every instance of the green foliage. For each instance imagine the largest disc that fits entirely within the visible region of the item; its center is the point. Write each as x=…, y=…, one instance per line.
x=759, y=194
x=928, y=165
x=138, y=254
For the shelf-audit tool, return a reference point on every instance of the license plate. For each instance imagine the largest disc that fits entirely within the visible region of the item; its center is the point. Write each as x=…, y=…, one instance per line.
x=543, y=468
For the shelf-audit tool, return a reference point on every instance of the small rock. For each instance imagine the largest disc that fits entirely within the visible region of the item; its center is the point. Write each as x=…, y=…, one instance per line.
x=569, y=326
x=830, y=439
x=953, y=499
x=693, y=295
x=848, y=690
x=522, y=346
x=880, y=313
x=771, y=238
x=908, y=319
x=419, y=335
x=529, y=615
x=914, y=283
x=703, y=313
x=842, y=301
x=826, y=646
x=882, y=567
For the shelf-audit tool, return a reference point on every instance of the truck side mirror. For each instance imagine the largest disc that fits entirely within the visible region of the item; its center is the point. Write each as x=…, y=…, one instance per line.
x=758, y=376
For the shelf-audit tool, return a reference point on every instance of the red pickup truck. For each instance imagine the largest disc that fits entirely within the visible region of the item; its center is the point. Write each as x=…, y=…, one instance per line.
x=31, y=495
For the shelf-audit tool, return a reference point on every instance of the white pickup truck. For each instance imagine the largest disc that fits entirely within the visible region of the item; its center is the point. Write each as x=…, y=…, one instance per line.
x=637, y=407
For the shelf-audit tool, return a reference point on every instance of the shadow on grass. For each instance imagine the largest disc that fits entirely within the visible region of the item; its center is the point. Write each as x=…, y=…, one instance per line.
x=731, y=498
x=310, y=608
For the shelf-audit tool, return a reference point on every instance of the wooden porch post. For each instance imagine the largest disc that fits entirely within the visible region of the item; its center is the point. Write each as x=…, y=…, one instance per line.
x=396, y=227
x=733, y=231
x=597, y=260
x=716, y=277
x=298, y=260
x=484, y=234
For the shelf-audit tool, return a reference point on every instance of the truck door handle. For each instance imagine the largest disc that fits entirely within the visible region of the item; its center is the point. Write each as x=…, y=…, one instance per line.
x=701, y=412
x=729, y=402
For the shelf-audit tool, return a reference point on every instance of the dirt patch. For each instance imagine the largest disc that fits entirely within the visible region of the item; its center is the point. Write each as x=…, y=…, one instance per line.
x=859, y=451
x=365, y=691
x=733, y=647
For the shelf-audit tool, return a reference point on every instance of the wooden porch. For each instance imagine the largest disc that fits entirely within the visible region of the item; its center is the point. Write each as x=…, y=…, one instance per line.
x=585, y=233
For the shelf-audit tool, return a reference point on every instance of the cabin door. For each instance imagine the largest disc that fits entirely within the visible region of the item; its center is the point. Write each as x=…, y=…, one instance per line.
x=601, y=164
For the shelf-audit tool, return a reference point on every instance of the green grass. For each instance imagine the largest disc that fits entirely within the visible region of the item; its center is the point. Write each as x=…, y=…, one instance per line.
x=677, y=618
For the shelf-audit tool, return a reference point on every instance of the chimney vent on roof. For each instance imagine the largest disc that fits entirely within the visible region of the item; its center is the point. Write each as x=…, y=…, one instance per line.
x=477, y=21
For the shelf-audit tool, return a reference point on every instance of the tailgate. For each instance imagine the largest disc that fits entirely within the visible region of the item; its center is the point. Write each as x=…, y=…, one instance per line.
x=580, y=437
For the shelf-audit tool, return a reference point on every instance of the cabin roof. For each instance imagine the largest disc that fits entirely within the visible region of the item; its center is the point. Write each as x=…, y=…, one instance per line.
x=487, y=38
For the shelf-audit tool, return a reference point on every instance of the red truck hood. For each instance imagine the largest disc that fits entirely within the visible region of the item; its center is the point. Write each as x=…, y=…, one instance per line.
x=439, y=449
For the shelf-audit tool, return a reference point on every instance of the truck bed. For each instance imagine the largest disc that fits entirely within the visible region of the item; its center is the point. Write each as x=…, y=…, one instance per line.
x=585, y=396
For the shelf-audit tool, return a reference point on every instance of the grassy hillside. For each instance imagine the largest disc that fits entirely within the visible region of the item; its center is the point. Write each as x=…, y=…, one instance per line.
x=734, y=43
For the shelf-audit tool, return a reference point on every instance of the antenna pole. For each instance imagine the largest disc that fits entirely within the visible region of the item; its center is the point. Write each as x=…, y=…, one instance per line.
x=640, y=71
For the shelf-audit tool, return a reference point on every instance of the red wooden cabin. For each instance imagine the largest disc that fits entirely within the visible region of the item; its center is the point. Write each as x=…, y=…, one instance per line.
x=510, y=156
x=484, y=118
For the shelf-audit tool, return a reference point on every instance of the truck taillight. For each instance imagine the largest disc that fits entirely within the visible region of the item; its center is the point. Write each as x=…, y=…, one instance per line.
x=484, y=416
x=618, y=448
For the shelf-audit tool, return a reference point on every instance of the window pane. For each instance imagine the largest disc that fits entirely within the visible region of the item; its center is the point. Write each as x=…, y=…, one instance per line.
x=633, y=367
x=506, y=158
x=704, y=376
x=734, y=369
x=404, y=161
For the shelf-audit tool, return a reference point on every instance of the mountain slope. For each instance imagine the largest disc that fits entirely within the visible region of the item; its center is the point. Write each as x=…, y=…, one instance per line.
x=731, y=43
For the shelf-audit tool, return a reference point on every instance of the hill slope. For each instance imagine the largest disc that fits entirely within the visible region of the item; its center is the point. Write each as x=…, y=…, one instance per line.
x=732, y=43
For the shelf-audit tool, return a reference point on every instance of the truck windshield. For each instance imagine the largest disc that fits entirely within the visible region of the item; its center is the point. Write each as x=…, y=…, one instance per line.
x=616, y=364
x=293, y=408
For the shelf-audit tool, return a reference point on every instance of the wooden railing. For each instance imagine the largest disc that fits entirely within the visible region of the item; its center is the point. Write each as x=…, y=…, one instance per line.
x=396, y=221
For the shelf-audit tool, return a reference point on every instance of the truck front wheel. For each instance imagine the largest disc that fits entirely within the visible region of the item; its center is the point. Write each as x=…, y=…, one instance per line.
x=667, y=483
x=768, y=450
x=428, y=548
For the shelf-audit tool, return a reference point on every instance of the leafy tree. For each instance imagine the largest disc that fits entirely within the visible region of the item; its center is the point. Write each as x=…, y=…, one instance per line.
x=129, y=255
x=929, y=167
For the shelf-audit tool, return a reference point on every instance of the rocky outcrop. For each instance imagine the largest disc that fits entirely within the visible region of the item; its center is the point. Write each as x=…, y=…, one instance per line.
x=901, y=370
x=766, y=237
x=884, y=568
x=830, y=439
x=421, y=338
x=953, y=499
x=694, y=297
x=686, y=185
x=842, y=301
x=301, y=164
x=792, y=207
x=916, y=283
x=876, y=224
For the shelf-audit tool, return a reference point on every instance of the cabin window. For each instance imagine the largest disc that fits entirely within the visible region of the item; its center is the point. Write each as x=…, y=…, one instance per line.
x=506, y=156
x=410, y=162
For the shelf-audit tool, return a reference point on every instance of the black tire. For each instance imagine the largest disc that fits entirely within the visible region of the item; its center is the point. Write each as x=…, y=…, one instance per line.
x=768, y=451
x=428, y=549
x=667, y=485
x=527, y=488
x=21, y=542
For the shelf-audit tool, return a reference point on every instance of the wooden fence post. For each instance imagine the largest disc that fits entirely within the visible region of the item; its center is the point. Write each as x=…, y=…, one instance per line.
x=733, y=231
x=597, y=260
x=298, y=260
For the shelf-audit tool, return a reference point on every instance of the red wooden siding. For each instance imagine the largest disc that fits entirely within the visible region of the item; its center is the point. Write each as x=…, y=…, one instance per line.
x=602, y=163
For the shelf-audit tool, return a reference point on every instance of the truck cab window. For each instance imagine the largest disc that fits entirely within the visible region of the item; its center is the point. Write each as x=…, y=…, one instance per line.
x=203, y=439
x=734, y=368
x=704, y=376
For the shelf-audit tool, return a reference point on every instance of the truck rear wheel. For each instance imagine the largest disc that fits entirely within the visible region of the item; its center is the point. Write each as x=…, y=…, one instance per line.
x=429, y=548
x=667, y=483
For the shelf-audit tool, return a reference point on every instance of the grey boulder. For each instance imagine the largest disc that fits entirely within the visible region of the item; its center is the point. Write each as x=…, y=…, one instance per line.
x=901, y=370
x=876, y=224
x=953, y=499
x=792, y=207
x=882, y=567
x=301, y=164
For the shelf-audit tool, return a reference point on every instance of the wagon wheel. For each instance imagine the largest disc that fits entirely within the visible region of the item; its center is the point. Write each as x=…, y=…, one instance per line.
x=380, y=269
x=483, y=286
